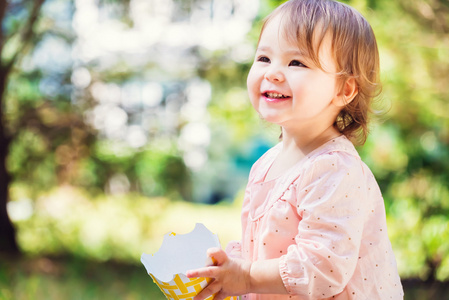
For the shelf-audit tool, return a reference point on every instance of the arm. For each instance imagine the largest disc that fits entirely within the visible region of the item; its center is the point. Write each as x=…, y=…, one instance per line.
x=237, y=277
x=332, y=206
x=323, y=259
x=265, y=277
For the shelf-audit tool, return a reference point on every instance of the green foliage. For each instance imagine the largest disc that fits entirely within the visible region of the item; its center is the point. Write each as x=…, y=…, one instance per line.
x=53, y=144
x=69, y=221
x=409, y=152
x=408, y=149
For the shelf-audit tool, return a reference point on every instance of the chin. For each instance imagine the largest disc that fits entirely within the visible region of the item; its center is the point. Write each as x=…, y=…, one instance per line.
x=271, y=119
x=270, y=116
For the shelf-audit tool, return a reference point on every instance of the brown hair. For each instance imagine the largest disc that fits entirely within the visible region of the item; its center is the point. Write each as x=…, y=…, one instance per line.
x=354, y=49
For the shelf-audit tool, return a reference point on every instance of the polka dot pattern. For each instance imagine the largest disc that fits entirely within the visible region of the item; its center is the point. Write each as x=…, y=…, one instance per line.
x=325, y=219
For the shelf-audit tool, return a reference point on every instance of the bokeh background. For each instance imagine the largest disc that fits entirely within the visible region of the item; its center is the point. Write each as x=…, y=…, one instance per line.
x=122, y=120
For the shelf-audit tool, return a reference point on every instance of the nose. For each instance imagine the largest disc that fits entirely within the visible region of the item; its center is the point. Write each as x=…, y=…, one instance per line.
x=274, y=74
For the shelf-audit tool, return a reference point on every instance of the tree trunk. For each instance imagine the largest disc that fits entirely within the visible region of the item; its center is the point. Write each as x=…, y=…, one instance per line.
x=8, y=243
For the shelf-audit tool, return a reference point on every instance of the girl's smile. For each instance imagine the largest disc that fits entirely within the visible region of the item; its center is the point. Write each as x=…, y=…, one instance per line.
x=274, y=96
x=285, y=88
x=313, y=216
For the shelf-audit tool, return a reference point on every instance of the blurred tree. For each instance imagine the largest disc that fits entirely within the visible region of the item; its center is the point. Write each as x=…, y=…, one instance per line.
x=409, y=151
x=415, y=72
x=22, y=35
x=158, y=93
x=43, y=137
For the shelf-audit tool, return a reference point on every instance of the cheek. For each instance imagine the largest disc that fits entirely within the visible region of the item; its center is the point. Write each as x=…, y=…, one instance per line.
x=250, y=79
x=253, y=83
x=321, y=88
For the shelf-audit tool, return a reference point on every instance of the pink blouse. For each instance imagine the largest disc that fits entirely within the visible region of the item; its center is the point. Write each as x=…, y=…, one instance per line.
x=325, y=219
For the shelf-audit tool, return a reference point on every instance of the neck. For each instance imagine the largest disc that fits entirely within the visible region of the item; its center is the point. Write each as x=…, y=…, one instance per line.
x=307, y=140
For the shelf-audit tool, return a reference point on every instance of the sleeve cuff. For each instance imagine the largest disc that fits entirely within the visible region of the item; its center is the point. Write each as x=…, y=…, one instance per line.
x=283, y=269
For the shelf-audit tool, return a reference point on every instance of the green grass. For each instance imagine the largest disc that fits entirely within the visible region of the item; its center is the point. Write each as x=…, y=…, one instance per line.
x=55, y=278
x=73, y=278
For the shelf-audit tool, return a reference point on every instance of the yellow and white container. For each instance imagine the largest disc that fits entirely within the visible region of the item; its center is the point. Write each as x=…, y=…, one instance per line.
x=178, y=254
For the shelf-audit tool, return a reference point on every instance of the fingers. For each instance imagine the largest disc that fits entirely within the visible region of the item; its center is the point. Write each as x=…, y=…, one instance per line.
x=219, y=257
x=216, y=257
x=211, y=272
x=211, y=289
x=220, y=296
x=214, y=270
x=210, y=262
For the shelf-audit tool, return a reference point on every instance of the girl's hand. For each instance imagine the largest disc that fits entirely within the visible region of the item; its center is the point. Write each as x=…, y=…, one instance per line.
x=231, y=276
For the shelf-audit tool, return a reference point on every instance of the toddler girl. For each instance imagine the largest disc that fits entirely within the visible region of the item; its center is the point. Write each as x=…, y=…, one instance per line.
x=313, y=217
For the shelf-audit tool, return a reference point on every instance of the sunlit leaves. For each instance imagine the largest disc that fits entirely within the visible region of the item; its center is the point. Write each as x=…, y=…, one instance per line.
x=68, y=221
x=175, y=97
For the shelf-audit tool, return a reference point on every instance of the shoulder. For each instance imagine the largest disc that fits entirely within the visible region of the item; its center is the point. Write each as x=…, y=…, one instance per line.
x=335, y=175
x=265, y=160
x=337, y=158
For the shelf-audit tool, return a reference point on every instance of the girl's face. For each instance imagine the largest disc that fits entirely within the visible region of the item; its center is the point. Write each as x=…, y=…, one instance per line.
x=287, y=89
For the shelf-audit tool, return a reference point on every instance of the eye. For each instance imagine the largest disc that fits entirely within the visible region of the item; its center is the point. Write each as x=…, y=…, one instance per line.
x=297, y=63
x=263, y=59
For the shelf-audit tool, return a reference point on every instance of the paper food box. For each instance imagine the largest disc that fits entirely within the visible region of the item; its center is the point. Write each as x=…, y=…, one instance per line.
x=178, y=254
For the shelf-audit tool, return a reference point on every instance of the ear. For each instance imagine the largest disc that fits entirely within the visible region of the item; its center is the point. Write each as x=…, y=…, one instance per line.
x=347, y=94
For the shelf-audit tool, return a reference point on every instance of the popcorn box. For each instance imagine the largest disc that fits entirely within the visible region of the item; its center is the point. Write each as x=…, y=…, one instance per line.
x=178, y=254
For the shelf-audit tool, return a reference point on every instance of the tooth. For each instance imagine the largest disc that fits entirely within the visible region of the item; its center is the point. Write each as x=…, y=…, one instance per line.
x=275, y=95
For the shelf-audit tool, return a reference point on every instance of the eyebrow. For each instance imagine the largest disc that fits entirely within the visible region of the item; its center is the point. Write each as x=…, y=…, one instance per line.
x=290, y=52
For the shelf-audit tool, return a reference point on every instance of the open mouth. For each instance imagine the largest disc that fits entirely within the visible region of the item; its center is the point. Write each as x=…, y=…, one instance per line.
x=275, y=96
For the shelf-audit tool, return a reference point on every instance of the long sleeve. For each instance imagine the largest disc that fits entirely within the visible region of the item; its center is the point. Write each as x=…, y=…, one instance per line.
x=325, y=219
x=331, y=202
